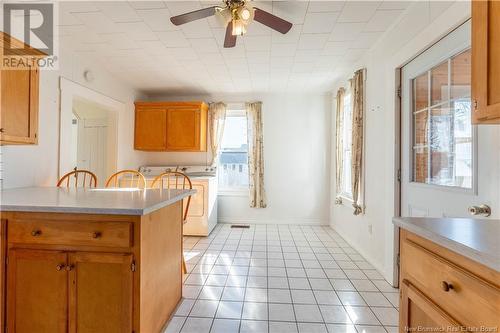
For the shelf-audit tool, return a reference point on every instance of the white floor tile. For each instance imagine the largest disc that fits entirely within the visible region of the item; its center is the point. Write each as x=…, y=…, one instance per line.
x=281, y=327
x=197, y=325
x=225, y=326
x=253, y=326
x=229, y=310
x=312, y=328
x=307, y=313
x=204, y=308
x=255, y=311
x=281, y=312
x=279, y=296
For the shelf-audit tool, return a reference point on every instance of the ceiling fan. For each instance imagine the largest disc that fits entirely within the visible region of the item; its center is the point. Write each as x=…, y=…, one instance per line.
x=235, y=15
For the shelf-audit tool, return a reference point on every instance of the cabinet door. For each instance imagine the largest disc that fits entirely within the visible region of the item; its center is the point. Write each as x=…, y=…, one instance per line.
x=183, y=129
x=418, y=312
x=150, y=129
x=100, y=297
x=19, y=106
x=485, y=64
x=37, y=291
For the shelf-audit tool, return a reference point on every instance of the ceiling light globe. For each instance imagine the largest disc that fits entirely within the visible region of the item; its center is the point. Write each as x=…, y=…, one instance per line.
x=245, y=14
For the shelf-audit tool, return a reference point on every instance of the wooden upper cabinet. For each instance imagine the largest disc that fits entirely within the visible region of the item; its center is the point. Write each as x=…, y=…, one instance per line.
x=37, y=297
x=485, y=62
x=150, y=128
x=171, y=126
x=19, y=100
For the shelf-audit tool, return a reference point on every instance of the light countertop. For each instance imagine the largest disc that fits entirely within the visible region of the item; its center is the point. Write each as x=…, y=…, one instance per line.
x=475, y=239
x=116, y=201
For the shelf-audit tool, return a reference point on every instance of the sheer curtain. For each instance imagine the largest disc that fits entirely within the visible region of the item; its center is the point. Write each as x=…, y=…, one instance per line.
x=339, y=118
x=357, y=91
x=217, y=116
x=255, y=155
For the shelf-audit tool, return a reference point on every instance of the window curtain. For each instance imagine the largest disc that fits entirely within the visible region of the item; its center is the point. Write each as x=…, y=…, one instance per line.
x=217, y=116
x=357, y=91
x=255, y=155
x=339, y=161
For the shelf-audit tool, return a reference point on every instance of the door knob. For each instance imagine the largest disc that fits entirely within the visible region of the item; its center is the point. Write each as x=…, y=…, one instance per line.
x=59, y=267
x=35, y=233
x=96, y=234
x=446, y=286
x=483, y=210
x=70, y=267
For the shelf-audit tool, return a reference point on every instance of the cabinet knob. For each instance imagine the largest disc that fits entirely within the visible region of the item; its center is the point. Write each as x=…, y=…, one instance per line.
x=59, y=267
x=96, y=234
x=70, y=267
x=446, y=286
x=1, y=130
x=35, y=233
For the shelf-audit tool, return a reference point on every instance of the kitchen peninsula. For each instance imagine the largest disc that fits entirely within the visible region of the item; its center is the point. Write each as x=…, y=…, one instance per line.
x=90, y=260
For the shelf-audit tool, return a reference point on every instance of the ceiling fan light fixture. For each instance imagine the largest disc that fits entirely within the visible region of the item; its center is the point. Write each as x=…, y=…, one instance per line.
x=224, y=16
x=239, y=27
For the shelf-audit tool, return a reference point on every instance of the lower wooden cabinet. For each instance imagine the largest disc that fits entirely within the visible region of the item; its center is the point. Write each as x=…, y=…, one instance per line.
x=37, y=297
x=442, y=291
x=69, y=291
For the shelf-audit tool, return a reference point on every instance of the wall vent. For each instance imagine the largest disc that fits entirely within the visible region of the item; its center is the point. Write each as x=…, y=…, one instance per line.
x=240, y=226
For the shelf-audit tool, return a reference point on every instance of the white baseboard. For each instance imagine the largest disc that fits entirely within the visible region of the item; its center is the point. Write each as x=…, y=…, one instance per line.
x=297, y=221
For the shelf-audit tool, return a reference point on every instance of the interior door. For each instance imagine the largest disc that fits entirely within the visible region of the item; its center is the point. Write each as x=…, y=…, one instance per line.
x=92, y=146
x=100, y=299
x=448, y=165
x=37, y=288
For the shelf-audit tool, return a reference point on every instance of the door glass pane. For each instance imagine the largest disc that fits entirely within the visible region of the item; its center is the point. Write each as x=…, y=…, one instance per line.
x=421, y=164
x=421, y=128
x=439, y=84
x=421, y=91
x=460, y=75
x=442, y=134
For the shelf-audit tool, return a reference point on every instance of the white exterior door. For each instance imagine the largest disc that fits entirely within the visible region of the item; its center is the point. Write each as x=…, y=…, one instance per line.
x=92, y=147
x=447, y=164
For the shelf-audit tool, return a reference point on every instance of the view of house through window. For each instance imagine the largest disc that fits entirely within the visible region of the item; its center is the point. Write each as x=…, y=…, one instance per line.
x=442, y=130
x=346, y=145
x=233, y=157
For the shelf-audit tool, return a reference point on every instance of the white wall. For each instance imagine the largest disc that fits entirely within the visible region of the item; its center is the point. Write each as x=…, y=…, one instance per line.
x=297, y=159
x=37, y=165
x=422, y=24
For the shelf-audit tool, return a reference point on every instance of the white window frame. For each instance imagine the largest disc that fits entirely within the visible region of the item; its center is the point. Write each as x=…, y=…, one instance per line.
x=234, y=110
x=345, y=148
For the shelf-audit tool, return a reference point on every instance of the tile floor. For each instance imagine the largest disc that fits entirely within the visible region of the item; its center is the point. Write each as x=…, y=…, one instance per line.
x=281, y=278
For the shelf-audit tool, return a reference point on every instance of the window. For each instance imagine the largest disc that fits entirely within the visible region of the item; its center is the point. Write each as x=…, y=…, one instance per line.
x=233, y=158
x=442, y=129
x=346, y=146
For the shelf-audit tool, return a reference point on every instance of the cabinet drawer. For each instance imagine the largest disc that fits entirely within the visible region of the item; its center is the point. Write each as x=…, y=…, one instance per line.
x=110, y=234
x=469, y=299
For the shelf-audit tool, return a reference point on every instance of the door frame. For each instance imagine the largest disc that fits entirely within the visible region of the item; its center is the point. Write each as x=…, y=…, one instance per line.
x=457, y=18
x=69, y=91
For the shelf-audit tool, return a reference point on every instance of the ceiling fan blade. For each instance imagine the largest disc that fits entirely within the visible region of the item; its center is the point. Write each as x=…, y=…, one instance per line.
x=272, y=21
x=229, y=40
x=193, y=16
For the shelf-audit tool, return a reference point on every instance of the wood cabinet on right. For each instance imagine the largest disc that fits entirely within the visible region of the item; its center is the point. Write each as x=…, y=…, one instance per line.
x=485, y=61
x=443, y=291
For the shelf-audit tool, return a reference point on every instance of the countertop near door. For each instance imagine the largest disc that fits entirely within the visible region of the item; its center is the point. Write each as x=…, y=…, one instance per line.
x=475, y=239
x=116, y=201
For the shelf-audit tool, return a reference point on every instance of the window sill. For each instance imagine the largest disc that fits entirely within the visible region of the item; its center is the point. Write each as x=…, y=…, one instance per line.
x=343, y=199
x=237, y=192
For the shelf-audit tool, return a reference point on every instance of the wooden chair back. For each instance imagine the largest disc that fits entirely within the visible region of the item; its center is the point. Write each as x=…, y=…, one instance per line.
x=135, y=179
x=174, y=180
x=78, y=178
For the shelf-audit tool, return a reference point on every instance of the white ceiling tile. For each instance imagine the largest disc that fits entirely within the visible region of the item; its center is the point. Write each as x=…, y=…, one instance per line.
x=68, y=19
x=312, y=41
x=335, y=48
x=346, y=31
x=212, y=59
x=282, y=62
x=257, y=43
x=258, y=57
x=382, y=20
x=182, y=7
x=97, y=21
x=292, y=11
x=204, y=45
x=365, y=40
x=137, y=30
x=319, y=22
x=325, y=6
x=185, y=53
x=120, y=41
x=302, y=67
x=118, y=11
x=394, y=5
x=153, y=47
x=358, y=11
x=77, y=7
x=306, y=55
x=147, y=4
x=283, y=50
x=257, y=29
x=157, y=19
x=173, y=39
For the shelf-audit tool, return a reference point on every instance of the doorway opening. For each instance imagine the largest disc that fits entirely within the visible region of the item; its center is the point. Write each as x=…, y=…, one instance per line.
x=93, y=134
